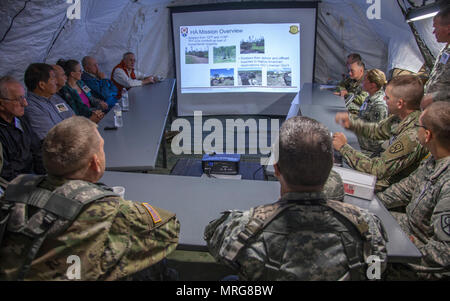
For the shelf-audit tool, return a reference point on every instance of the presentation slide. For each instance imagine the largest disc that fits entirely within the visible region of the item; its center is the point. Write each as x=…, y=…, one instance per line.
x=248, y=58
x=240, y=58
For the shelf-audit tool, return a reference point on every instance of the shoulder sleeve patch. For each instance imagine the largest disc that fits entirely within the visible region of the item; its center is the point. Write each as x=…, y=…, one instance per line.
x=400, y=147
x=153, y=213
x=397, y=147
x=445, y=224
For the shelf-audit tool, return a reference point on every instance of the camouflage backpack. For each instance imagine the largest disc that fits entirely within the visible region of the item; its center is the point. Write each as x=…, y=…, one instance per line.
x=54, y=210
x=356, y=256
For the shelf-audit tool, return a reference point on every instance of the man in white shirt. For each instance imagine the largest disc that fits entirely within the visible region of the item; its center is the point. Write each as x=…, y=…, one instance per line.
x=125, y=76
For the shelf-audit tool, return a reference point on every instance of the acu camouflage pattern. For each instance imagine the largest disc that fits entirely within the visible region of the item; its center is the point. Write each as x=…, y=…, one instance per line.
x=303, y=242
x=439, y=82
x=426, y=193
x=113, y=238
x=334, y=187
x=399, y=160
x=374, y=109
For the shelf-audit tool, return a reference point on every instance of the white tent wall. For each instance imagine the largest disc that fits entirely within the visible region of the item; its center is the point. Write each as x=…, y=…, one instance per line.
x=30, y=35
x=108, y=28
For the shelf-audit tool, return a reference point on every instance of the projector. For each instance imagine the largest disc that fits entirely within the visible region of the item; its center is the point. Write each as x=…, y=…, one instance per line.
x=221, y=164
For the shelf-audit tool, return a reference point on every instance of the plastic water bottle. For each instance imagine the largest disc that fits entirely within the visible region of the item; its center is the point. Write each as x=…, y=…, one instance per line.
x=118, y=121
x=125, y=102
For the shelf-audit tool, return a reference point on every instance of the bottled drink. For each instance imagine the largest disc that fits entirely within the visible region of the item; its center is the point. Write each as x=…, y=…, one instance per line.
x=125, y=102
x=118, y=121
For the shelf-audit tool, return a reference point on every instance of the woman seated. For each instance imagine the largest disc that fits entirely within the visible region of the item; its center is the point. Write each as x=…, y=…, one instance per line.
x=373, y=109
x=78, y=95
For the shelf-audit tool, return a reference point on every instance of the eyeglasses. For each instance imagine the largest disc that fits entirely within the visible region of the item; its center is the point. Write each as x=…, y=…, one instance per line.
x=421, y=126
x=20, y=99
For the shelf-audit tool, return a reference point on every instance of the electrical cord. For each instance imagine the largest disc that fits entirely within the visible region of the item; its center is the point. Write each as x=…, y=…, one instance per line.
x=254, y=174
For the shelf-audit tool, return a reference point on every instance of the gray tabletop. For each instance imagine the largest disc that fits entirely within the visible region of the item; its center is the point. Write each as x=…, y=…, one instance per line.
x=135, y=146
x=197, y=201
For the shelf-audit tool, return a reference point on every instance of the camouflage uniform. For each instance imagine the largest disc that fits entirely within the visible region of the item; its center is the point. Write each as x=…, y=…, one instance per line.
x=439, y=82
x=112, y=237
x=334, y=187
x=399, y=160
x=354, y=90
x=300, y=237
x=427, y=218
x=374, y=109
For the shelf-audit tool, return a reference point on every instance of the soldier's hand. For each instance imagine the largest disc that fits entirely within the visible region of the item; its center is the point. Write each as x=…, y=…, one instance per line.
x=339, y=140
x=343, y=119
x=343, y=93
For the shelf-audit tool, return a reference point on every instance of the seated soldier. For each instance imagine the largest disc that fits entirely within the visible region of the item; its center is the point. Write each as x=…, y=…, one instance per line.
x=300, y=237
x=66, y=214
x=426, y=193
x=374, y=109
x=101, y=87
x=351, y=58
x=352, y=91
x=21, y=146
x=403, y=156
x=45, y=108
x=125, y=76
x=437, y=86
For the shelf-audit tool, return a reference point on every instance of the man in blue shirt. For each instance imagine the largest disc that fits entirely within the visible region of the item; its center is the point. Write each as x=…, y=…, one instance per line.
x=101, y=87
x=45, y=108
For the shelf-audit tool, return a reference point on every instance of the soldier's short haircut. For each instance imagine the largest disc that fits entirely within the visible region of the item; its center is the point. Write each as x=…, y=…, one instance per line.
x=69, y=145
x=4, y=81
x=377, y=77
x=305, y=152
x=436, y=118
x=127, y=53
x=409, y=88
x=444, y=15
x=354, y=57
x=35, y=73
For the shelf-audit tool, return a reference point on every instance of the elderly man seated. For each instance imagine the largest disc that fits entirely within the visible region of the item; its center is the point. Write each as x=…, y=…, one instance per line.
x=45, y=108
x=125, y=76
x=21, y=147
x=101, y=87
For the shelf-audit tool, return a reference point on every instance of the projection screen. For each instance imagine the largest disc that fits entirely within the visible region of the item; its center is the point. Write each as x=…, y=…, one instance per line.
x=242, y=58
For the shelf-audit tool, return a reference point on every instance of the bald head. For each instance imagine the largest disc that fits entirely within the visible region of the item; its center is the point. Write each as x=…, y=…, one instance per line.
x=90, y=64
x=61, y=77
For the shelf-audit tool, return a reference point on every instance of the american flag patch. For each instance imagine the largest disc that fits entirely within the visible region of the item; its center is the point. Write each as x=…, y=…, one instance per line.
x=153, y=213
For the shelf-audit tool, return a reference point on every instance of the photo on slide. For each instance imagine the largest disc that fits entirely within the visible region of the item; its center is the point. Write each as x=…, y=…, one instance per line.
x=279, y=78
x=250, y=77
x=197, y=55
x=222, y=77
x=224, y=54
x=252, y=45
